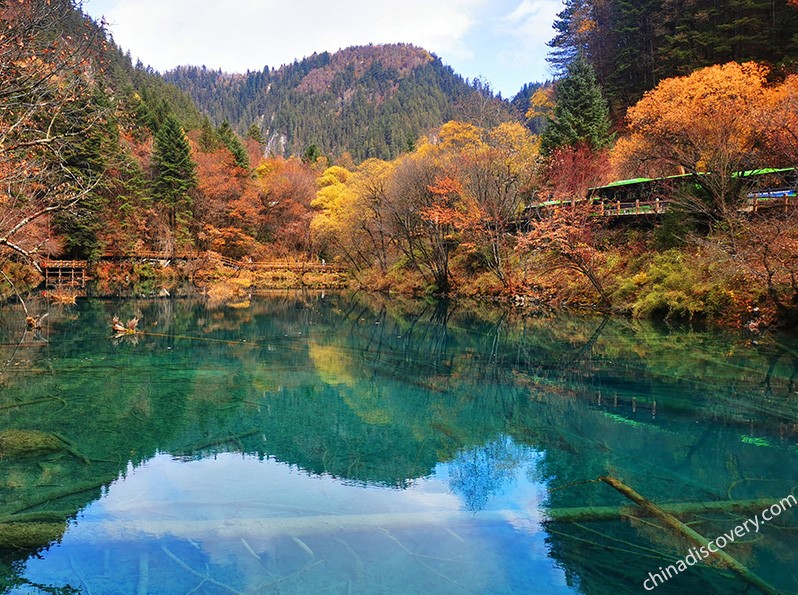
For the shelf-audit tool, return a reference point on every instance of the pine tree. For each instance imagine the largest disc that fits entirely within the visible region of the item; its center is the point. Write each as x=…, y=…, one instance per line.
x=254, y=133
x=634, y=38
x=580, y=113
x=208, y=140
x=574, y=26
x=175, y=172
x=231, y=141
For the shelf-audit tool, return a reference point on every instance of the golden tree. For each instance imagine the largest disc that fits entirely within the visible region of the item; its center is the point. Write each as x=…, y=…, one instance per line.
x=708, y=124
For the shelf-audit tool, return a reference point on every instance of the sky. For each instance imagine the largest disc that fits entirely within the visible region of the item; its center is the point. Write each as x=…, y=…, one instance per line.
x=501, y=41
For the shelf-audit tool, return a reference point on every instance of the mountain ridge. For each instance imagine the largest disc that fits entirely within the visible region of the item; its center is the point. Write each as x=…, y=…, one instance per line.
x=368, y=101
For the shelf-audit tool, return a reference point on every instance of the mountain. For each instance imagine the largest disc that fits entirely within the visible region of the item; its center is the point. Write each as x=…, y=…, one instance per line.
x=372, y=101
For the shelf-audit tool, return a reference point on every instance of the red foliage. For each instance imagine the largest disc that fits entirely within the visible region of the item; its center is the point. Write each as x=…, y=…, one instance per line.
x=572, y=170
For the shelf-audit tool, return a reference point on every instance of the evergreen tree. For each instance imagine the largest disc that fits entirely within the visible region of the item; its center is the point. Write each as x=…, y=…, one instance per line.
x=311, y=154
x=580, y=113
x=86, y=157
x=208, y=140
x=232, y=142
x=175, y=172
x=254, y=133
x=634, y=36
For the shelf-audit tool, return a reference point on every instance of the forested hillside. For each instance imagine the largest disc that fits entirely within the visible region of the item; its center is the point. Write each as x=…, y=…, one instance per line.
x=632, y=45
x=370, y=101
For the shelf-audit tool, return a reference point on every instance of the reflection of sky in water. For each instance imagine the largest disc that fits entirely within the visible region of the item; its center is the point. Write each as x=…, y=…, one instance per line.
x=234, y=523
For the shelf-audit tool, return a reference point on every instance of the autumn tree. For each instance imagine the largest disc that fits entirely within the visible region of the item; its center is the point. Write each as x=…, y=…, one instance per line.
x=634, y=44
x=226, y=204
x=568, y=238
x=541, y=105
x=335, y=226
x=767, y=252
x=709, y=124
x=496, y=177
x=46, y=108
x=780, y=118
x=371, y=183
x=420, y=214
x=572, y=170
x=287, y=188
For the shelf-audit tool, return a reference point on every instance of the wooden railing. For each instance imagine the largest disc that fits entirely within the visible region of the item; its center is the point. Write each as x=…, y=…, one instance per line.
x=619, y=209
x=64, y=264
x=294, y=266
x=783, y=197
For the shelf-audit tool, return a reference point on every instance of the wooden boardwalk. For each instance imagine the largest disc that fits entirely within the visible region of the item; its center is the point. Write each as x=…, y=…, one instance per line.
x=74, y=273
x=604, y=208
x=292, y=266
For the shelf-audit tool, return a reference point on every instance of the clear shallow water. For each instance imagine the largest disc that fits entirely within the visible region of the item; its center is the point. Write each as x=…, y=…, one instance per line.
x=309, y=444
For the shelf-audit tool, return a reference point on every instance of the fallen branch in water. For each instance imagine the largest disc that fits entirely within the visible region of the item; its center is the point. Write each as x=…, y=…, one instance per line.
x=30, y=535
x=612, y=513
x=72, y=448
x=129, y=328
x=698, y=540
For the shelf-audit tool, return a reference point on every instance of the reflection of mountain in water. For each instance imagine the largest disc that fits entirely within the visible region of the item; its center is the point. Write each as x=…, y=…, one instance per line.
x=378, y=394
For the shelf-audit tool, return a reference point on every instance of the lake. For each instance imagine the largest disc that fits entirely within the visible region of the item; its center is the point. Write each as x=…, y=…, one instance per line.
x=303, y=443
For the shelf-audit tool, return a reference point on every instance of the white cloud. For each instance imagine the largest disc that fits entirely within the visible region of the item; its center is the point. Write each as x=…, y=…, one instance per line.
x=529, y=25
x=248, y=34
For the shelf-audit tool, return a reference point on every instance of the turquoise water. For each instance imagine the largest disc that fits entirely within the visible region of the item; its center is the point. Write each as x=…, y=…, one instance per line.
x=309, y=443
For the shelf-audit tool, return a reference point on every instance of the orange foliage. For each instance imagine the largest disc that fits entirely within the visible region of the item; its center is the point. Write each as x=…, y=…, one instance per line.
x=703, y=121
x=782, y=120
x=220, y=183
x=45, y=99
x=568, y=238
x=287, y=187
x=715, y=122
x=446, y=186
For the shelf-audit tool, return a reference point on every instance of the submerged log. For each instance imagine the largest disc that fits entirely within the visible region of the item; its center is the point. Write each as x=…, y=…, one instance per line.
x=30, y=535
x=613, y=513
x=698, y=540
x=19, y=443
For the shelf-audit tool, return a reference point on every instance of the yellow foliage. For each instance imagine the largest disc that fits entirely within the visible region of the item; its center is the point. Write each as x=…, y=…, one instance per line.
x=457, y=136
x=333, y=175
x=541, y=103
x=265, y=168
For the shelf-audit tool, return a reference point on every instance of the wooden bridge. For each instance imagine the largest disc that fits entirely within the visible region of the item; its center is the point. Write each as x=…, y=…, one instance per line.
x=64, y=273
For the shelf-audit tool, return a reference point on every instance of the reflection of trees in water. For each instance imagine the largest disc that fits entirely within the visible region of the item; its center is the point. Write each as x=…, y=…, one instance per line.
x=417, y=384
x=478, y=473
